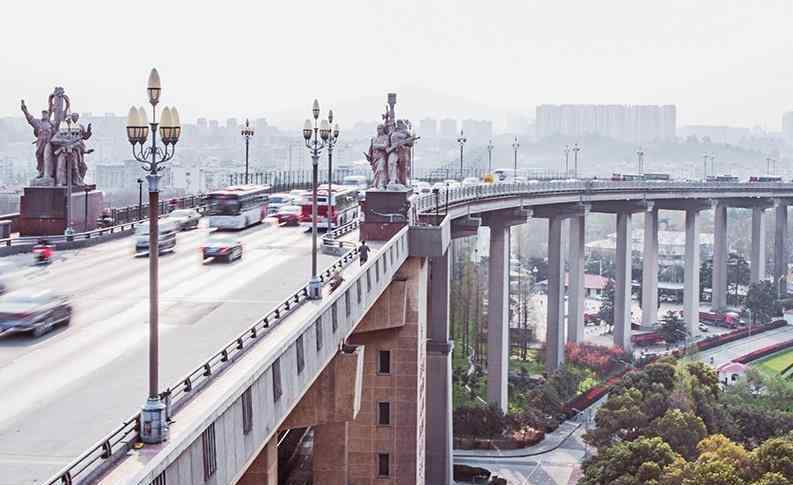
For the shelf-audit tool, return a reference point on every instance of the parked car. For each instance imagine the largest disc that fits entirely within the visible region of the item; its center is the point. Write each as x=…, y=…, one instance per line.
x=288, y=215
x=223, y=247
x=185, y=218
x=703, y=328
x=33, y=310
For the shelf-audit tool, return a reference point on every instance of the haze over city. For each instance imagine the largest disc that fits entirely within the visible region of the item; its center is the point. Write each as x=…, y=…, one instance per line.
x=721, y=63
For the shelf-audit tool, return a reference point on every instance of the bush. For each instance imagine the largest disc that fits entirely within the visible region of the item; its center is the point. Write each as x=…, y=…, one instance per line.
x=600, y=359
x=480, y=421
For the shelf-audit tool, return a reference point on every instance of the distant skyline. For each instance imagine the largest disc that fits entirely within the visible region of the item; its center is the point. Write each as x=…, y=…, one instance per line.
x=722, y=62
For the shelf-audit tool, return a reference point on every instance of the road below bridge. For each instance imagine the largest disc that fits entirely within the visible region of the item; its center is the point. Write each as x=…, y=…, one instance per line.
x=63, y=392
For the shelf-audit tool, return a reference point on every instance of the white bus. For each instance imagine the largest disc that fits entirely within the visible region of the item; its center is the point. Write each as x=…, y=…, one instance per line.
x=343, y=207
x=504, y=174
x=237, y=207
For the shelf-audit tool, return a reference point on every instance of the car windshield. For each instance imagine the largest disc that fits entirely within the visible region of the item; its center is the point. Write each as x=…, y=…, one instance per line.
x=182, y=213
x=279, y=199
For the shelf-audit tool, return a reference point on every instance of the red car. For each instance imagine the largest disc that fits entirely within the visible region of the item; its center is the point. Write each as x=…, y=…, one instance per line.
x=288, y=215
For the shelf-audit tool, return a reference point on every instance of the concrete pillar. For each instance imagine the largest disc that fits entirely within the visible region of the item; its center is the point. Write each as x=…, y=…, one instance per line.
x=264, y=469
x=719, y=284
x=554, y=335
x=780, y=250
x=758, y=244
x=576, y=293
x=691, y=271
x=439, y=376
x=622, y=283
x=330, y=462
x=650, y=269
x=498, y=317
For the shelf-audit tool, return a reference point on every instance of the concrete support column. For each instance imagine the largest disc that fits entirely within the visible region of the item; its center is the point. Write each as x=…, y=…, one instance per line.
x=691, y=271
x=780, y=250
x=498, y=316
x=650, y=268
x=758, y=244
x=622, y=283
x=438, y=445
x=719, y=284
x=264, y=469
x=330, y=463
x=576, y=293
x=554, y=335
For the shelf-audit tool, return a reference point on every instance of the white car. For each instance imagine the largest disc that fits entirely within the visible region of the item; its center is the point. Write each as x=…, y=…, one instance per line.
x=277, y=201
x=471, y=181
x=451, y=183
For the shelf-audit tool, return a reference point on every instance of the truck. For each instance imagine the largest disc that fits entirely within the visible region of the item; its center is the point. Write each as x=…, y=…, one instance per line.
x=721, y=319
x=646, y=338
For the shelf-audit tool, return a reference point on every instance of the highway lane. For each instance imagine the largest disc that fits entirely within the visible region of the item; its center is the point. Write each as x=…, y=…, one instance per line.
x=64, y=391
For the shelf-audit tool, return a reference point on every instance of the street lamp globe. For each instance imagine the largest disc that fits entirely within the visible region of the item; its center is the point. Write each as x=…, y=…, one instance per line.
x=308, y=128
x=154, y=87
x=324, y=130
x=330, y=116
x=176, y=124
x=315, y=109
x=336, y=131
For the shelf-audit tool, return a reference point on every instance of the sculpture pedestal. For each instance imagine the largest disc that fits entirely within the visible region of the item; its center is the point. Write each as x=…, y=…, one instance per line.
x=385, y=213
x=42, y=210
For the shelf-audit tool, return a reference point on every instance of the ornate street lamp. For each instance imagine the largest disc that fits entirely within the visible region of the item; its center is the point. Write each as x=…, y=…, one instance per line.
x=640, y=159
x=490, y=156
x=316, y=137
x=247, y=132
x=461, y=140
x=566, y=160
x=153, y=418
x=576, y=149
x=515, y=146
x=332, y=139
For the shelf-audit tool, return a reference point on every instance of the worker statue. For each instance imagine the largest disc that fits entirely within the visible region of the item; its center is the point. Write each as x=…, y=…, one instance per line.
x=390, y=151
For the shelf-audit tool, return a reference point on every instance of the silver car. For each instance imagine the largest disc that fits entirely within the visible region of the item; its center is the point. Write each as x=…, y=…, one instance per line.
x=34, y=311
x=185, y=218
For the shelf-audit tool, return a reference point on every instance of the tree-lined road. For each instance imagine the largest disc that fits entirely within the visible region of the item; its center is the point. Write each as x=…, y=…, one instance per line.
x=64, y=391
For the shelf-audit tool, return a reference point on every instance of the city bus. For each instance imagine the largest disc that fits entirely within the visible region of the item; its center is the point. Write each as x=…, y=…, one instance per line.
x=238, y=206
x=764, y=178
x=344, y=207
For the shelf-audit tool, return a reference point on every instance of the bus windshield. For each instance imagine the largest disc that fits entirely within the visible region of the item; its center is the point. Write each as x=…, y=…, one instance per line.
x=223, y=205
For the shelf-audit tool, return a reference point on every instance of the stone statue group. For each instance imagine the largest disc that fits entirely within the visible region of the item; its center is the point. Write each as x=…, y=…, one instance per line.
x=60, y=142
x=390, y=151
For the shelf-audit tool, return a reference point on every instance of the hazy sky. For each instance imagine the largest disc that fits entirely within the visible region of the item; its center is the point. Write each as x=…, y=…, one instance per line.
x=721, y=61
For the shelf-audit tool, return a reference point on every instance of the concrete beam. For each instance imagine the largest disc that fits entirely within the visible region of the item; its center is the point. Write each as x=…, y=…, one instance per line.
x=576, y=292
x=720, y=251
x=684, y=204
x=749, y=203
x=507, y=217
x=264, y=469
x=620, y=206
x=438, y=435
x=465, y=227
x=622, y=283
x=691, y=271
x=498, y=316
x=650, y=269
x=758, y=244
x=554, y=340
x=561, y=210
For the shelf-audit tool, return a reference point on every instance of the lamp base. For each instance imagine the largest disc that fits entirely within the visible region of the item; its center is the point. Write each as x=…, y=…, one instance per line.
x=153, y=422
x=314, y=288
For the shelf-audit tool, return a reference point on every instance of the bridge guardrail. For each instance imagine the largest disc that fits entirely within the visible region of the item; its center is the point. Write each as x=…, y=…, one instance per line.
x=330, y=242
x=122, y=438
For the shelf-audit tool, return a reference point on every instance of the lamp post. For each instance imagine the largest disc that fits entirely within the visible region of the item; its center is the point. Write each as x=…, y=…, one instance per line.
x=140, y=199
x=640, y=159
x=247, y=132
x=515, y=146
x=153, y=424
x=566, y=159
x=316, y=138
x=461, y=140
x=332, y=139
x=490, y=156
x=576, y=149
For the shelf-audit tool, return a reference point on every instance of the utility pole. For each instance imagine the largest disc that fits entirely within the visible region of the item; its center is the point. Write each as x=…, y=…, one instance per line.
x=576, y=149
x=490, y=157
x=566, y=159
x=640, y=156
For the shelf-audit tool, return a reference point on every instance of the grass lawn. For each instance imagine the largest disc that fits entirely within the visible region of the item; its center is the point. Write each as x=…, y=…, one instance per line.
x=776, y=363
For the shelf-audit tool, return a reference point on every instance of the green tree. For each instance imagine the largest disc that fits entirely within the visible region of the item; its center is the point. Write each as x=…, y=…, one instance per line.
x=705, y=277
x=672, y=328
x=682, y=430
x=761, y=301
x=621, y=418
x=772, y=479
x=639, y=462
x=774, y=456
x=606, y=312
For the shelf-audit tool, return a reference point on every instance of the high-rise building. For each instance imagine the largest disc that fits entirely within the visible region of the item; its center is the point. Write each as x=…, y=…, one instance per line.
x=448, y=128
x=428, y=128
x=631, y=123
x=231, y=123
x=787, y=126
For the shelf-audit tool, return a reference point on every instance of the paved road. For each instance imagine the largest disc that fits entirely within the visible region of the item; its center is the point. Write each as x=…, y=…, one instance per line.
x=61, y=393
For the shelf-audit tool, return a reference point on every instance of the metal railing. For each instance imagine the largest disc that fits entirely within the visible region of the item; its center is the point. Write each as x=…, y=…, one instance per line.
x=122, y=438
x=78, y=236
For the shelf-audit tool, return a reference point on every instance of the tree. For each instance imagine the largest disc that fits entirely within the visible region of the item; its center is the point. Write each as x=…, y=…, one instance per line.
x=774, y=456
x=672, y=328
x=620, y=418
x=682, y=430
x=761, y=301
x=606, y=312
x=705, y=277
x=639, y=462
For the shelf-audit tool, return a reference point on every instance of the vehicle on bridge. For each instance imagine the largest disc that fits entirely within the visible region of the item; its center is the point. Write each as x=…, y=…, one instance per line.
x=647, y=338
x=355, y=182
x=166, y=240
x=721, y=319
x=764, y=178
x=222, y=247
x=647, y=177
x=277, y=201
x=722, y=178
x=334, y=208
x=238, y=206
x=504, y=175
x=185, y=218
x=288, y=215
x=34, y=311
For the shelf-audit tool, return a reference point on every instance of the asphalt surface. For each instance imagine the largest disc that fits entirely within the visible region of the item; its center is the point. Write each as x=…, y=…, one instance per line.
x=62, y=392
